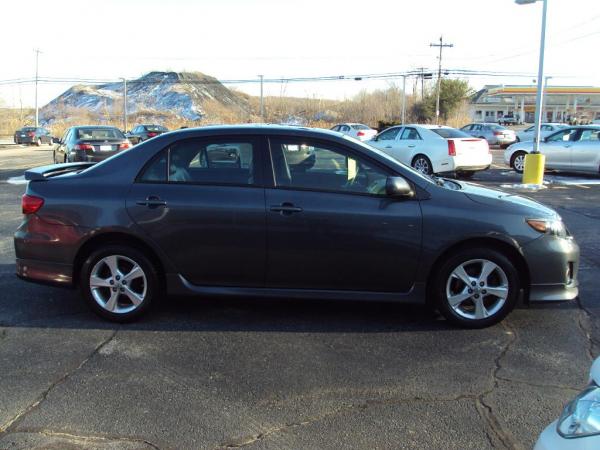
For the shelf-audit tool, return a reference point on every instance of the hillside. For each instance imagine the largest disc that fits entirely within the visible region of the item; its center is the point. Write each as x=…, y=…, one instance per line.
x=184, y=94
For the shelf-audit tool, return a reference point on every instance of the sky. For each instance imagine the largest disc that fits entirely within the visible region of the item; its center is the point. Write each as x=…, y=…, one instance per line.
x=237, y=39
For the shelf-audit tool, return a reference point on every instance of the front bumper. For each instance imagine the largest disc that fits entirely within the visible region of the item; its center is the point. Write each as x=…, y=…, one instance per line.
x=553, y=265
x=551, y=440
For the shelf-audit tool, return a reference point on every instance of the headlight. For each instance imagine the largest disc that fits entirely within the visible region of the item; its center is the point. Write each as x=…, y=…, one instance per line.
x=555, y=227
x=581, y=417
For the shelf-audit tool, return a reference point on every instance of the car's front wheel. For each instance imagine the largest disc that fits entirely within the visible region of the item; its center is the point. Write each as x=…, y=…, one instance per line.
x=422, y=164
x=517, y=161
x=119, y=283
x=476, y=288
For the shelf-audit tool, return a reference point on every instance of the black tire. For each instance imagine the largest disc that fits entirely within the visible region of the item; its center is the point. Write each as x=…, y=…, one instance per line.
x=516, y=155
x=423, y=164
x=125, y=255
x=445, y=282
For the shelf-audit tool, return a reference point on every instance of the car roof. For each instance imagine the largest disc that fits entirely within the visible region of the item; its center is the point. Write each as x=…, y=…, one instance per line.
x=430, y=126
x=95, y=126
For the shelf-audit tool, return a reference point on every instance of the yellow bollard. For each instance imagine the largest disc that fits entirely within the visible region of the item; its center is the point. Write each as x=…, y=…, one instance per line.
x=533, y=172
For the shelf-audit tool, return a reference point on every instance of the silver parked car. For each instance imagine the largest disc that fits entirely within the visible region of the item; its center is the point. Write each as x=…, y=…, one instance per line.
x=356, y=130
x=574, y=149
x=546, y=129
x=493, y=133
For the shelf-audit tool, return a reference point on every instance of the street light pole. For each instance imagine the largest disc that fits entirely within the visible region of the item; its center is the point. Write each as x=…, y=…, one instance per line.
x=37, y=113
x=533, y=172
x=124, y=104
x=403, y=98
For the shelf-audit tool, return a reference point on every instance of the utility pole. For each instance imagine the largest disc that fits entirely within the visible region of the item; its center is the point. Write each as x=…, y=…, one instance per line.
x=441, y=45
x=124, y=104
x=262, y=104
x=37, y=113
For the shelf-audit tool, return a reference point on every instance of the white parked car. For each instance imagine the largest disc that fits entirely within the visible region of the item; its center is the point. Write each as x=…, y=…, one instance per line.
x=435, y=149
x=573, y=149
x=356, y=130
x=578, y=427
x=545, y=130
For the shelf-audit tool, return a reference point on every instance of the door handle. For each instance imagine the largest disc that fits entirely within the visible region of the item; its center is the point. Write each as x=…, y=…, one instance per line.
x=412, y=146
x=152, y=201
x=388, y=146
x=285, y=209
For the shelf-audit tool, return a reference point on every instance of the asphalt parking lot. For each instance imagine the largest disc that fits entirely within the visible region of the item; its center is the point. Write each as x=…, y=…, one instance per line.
x=272, y=375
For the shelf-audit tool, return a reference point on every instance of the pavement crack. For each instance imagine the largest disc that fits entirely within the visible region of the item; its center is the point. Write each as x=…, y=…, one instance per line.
x=584, y=322
x=486, y=412
x=86, y=438
x=12, y=423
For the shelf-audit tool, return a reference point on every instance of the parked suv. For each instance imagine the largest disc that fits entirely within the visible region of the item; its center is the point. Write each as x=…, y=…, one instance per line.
x=141, y=133
x=90, y=143
x=33, y=135
x=225, y=211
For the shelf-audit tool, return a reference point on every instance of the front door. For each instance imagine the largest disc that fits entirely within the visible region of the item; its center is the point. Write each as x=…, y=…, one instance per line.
x=201, y=201
x=557, y=148
x=331, y=226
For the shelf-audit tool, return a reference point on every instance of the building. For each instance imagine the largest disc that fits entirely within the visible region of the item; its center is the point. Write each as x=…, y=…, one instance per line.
x=579, y=104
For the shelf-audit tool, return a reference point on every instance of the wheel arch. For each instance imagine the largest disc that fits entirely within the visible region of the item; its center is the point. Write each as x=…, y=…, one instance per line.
x=118, y=238
x=507, y=249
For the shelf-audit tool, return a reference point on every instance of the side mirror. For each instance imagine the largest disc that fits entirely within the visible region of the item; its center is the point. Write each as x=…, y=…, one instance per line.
x=398, y=187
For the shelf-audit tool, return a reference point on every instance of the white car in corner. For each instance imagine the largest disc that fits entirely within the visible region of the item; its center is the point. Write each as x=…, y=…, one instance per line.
x=578, y=427
x=545, y=130
x=435, y=149
x=356, y=130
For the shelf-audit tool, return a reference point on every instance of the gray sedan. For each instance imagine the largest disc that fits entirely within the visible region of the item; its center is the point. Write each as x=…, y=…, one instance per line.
x=493, y=133
x=574, y=149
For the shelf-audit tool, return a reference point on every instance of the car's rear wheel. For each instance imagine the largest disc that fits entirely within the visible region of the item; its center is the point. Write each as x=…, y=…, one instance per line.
x=422, y=164
x=476, y=288
x=517, y=162
x=119, y=283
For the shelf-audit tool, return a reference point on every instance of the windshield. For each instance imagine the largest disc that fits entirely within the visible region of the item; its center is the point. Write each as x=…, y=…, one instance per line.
x=497, y=127
x=450, y=133
x=28, y=129
x=155, y=128
x=358, y=126
x=99, y=133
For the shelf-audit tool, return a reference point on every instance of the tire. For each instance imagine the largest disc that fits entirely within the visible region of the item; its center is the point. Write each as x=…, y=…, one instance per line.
x=119, y=283
x=422, y=164
x=466, y=175
x=474, y=305
x=515, y=161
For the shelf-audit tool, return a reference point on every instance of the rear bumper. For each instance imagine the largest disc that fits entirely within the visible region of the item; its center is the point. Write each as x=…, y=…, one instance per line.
x=464, y=163
x=45, y=272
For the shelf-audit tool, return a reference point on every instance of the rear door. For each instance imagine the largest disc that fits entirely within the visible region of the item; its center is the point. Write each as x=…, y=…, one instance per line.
x=330, y=225
x=409, y=144
x=585, y=151
x=202, y=202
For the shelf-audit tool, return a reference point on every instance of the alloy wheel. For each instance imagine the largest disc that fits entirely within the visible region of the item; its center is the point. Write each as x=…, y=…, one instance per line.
x=477, y=289
x=519, y=163
x=118, y=284
x=422, y=165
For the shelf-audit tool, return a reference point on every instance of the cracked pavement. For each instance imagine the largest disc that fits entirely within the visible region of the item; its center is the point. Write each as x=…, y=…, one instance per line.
x=220, y=374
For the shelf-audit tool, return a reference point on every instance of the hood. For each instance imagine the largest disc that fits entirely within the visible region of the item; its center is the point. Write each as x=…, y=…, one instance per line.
x=595, y=372
x=498, y=199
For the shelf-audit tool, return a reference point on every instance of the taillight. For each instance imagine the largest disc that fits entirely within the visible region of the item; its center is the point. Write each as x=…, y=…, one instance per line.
x=124, y=145
x=30, y=204
x=451, y=148
x=498, y=133
x=152, y=134
x=83, y=147
x=360, y=133
x=30, y=134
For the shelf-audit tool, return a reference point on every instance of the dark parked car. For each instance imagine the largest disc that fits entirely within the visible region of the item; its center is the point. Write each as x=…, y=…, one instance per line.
x=225, y=211
x=90, y=144
x=141, y=133
x=33, y=135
